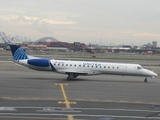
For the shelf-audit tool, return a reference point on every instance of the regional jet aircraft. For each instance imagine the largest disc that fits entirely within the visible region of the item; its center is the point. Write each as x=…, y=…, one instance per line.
x=76, y=68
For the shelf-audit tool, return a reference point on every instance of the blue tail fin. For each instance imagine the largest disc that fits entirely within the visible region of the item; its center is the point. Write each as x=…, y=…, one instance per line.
x=17, y=52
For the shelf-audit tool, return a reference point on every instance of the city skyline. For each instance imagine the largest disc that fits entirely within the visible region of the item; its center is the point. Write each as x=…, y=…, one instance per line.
x=100, y=42
x=106, y=21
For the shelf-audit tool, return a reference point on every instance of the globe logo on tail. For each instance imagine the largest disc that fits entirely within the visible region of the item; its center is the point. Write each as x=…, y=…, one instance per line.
x=20, y=54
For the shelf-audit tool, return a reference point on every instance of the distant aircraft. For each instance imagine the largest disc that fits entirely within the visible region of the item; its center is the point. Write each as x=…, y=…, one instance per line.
x=76, y=68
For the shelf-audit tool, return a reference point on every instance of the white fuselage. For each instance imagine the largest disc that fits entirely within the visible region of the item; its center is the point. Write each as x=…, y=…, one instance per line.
x=91, y=68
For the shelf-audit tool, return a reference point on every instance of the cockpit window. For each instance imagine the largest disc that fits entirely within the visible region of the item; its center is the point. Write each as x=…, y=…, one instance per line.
x=139, y=67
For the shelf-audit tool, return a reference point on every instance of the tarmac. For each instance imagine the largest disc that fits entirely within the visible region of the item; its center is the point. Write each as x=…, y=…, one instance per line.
x=26, y=94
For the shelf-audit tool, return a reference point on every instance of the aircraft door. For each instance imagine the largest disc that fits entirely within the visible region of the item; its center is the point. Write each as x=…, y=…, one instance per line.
x=125, y=69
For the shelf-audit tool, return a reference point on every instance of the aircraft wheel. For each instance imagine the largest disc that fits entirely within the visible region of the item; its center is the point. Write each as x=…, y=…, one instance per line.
x=75, y=76
x=145, y=80
x=69, y=78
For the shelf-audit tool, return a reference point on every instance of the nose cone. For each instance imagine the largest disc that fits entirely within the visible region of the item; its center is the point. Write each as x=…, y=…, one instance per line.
x=154, y=74
x=150, y=73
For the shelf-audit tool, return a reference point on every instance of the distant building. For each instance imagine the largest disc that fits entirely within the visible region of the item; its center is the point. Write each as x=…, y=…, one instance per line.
x=37, y=46
x=47, y=39
x=79, y=46
x=154, y=44
x=123, y=47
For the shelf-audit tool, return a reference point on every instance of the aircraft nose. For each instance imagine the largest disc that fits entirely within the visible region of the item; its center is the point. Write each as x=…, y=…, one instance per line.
x=150, y=73
x=153, y=73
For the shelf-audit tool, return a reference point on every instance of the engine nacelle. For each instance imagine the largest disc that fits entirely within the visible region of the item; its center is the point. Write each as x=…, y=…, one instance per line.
x=42, y=62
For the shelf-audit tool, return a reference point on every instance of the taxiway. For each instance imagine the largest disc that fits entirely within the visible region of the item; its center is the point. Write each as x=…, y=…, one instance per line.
x=26, y=94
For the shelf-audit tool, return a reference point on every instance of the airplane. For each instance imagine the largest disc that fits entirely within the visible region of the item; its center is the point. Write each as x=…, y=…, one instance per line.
x=76, y=68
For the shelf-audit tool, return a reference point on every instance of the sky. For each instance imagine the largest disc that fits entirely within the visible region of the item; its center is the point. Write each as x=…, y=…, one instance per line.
x=107, y=22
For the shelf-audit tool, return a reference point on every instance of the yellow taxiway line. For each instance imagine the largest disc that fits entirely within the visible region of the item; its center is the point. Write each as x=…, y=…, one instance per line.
x=70, y=117
x=65, y=96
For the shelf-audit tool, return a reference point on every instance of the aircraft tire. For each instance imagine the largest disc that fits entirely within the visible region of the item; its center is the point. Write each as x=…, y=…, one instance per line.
x=69, y=78
x=145, y=80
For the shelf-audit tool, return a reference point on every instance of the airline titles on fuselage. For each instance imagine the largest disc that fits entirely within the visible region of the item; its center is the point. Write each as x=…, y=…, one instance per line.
x=88, y=64
x=84, y=63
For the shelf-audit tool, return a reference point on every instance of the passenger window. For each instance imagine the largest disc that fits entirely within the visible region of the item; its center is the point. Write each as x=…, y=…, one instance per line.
x=79, y=65
x=75, y=65
x=108, y=67
x=66, y=64
x=117, y=67
x=104, y=66
x=58, y=64
x=70, y=64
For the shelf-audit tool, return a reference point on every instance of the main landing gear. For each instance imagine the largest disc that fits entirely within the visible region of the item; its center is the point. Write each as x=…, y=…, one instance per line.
x=71, y=76
x=145, y=80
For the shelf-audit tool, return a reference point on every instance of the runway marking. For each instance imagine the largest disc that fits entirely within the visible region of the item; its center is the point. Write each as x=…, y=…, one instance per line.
x=94, y=100
x=21, y=98
x=123, y=101
x=78, y=115
x=6, y=97
x=73, y=108
x=58, y=111
x=77, y=99
x=70, y=117
x=61, y=84
x=35, y=98
x=62, y=102
x=7, y=109
x=138, y=102
x=108, y=100
x=153, y=102
x=50, y=99
x=43, y=118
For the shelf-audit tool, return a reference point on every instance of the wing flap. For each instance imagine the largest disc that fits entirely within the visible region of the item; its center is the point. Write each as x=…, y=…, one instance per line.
x=73, y=71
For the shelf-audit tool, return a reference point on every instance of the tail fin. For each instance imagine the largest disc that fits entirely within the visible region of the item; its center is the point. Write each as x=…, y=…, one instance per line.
x=17, y=52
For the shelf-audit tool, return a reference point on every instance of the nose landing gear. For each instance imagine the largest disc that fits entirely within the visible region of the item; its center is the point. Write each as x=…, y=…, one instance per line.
x=145, y=80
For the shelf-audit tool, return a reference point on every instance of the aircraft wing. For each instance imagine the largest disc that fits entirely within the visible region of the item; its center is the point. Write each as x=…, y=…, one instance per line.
x=74, y=72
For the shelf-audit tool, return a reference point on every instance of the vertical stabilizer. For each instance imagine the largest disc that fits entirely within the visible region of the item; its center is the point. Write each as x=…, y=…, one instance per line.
x=17, y=52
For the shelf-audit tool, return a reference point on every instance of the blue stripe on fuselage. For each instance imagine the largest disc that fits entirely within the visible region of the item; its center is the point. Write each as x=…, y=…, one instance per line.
x=43, y=62
x=52, y=67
